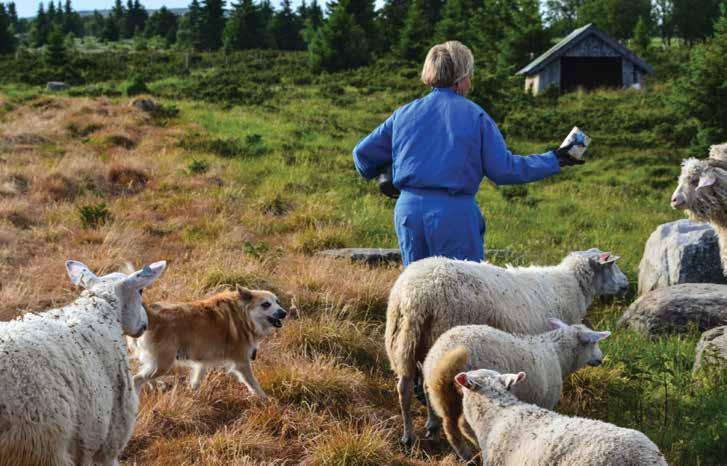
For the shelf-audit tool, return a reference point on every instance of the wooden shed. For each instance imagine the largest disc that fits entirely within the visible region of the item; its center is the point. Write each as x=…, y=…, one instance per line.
x=587, y=58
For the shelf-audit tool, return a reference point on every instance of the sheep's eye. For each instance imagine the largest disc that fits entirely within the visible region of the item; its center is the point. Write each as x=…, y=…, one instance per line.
x=265, y=305
x=141, y=291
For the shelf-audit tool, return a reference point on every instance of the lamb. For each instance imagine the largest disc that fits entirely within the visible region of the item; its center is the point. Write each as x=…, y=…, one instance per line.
x=435, y=294
x=702, y=193
x=547, y=358
x=514, y=433
x=66, y=395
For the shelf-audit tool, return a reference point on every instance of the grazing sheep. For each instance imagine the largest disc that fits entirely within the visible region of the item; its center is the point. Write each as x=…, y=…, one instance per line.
x=514, y=433
x=66, y=395
x=435, y=294
x=547, y=358
x=702, y=193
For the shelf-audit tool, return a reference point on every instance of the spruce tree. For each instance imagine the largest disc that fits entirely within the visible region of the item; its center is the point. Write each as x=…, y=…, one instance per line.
x=213, y=23
x=526, y=38
x=457, y=22
x=341, y=43
x=287, y=27
x=312, y=21
x=55, y=52
x=7, y=38
x=416, y=34
x=267, y=13
x=51, y=14
x=702, y=92
x=642, y=37
x=392, y=19
x=244, y=27
x=13, y=17
x=72, y=23
x=162, y=23
x=114, y=27
x=41, y=27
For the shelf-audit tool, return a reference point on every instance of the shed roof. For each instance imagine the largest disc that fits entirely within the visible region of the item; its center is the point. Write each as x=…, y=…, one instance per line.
x=574, y=38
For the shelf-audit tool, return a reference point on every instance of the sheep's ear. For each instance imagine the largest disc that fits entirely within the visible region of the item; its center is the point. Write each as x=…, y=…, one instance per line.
x=555, y=324
x=245, y=294
x=79, y=274
x=706, y=180
x=508, y=380
x=589, y=336
x=607, y=258
x=144, y=277
x=465, y=381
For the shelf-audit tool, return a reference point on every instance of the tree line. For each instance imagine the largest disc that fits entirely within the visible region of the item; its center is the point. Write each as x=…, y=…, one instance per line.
x=351, y=33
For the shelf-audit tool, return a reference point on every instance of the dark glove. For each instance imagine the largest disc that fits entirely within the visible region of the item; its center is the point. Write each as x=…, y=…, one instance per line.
x=564, y=158
x=386, y=183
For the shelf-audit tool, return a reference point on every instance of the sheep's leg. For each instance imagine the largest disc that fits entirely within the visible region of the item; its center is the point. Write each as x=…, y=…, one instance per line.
x=199, y=371
x=452, y=429
x=433, y=422
x=243, y=372
x=405, y=391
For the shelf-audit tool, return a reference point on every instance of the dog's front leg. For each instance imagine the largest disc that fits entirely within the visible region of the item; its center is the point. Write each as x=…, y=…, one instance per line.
x=243, y=372
x=199, y=371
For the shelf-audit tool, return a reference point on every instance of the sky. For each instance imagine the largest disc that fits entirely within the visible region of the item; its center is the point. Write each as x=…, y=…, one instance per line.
x=27, y=8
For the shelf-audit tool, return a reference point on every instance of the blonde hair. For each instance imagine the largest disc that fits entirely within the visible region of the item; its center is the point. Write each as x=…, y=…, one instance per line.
x=447, y=63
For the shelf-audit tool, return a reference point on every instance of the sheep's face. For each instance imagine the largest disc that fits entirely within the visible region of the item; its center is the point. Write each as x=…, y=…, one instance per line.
x=487, y=381
x=609, y=280
x=126, y=288
x=587, y=350
x=695, y=175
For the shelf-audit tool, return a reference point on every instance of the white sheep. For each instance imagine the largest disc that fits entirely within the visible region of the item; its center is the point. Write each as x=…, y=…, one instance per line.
x=514, y=433
x=435, y=294
x=66, y=395
x=702, y=193
x=547, y=358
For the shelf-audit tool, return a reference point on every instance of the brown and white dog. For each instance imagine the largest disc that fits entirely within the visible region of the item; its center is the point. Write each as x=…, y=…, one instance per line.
x=222, y=330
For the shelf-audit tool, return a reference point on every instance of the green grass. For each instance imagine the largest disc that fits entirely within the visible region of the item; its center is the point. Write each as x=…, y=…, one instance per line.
x=288, y=161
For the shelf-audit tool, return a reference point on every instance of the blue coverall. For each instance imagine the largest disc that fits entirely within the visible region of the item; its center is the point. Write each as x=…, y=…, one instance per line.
x=440, y=147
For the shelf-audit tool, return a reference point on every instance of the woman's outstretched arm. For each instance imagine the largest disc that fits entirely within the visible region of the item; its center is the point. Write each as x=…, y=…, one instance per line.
x=373, y=152
x=502, y=167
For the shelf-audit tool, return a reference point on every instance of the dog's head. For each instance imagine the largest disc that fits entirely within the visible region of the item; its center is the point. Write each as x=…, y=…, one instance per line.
x=263, y=308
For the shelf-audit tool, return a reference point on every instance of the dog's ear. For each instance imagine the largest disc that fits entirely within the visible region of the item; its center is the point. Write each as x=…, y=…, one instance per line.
x=245, y=294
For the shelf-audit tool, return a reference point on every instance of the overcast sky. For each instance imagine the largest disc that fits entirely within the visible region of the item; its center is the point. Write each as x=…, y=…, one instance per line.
x=30, y=7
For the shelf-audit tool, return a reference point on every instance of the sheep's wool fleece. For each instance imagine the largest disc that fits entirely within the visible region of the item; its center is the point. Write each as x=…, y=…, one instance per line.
x=424, y=303
x=512, y=433
x=66, y=390
x=536, y=355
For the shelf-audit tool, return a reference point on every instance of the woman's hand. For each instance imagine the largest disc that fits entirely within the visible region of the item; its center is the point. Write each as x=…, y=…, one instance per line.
x=386, y=183
x=564, y=158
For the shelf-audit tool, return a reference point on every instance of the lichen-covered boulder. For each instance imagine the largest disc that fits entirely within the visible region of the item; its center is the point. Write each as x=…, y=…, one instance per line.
x=680, y=252
x=55, y=86
x=712, y=348
x=673, y=309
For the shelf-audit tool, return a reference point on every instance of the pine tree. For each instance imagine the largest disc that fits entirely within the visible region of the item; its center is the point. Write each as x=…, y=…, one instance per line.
x=244, y=28
x=13, y=17
x=7, y=38
x=41, y=27
x=55, y=53
x=693, y=19
x=341, y=43
x=213, y=23
x=641, y=38
x=416, y=34
x=287, y=27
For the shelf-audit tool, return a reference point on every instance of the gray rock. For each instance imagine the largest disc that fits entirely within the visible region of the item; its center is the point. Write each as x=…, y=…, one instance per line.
x=370, y=256
x=680, y=252
x=672, y=309
x=146, y=105
x=712, y=348
x=55, y=86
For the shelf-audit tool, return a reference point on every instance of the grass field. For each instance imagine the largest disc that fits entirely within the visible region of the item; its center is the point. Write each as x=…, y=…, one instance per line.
x=248, y=193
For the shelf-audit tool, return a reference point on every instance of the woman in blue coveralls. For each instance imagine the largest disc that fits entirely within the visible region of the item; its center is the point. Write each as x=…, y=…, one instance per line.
x=439, y=148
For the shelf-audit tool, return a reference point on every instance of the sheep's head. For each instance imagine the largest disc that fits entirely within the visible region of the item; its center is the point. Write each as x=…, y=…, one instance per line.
x=701, y=189
x=127, y=290
x=587, y=350
x=487, y=381
x=607, y=279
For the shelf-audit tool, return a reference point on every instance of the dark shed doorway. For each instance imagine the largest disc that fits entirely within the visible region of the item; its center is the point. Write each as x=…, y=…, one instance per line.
x=590, y=72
